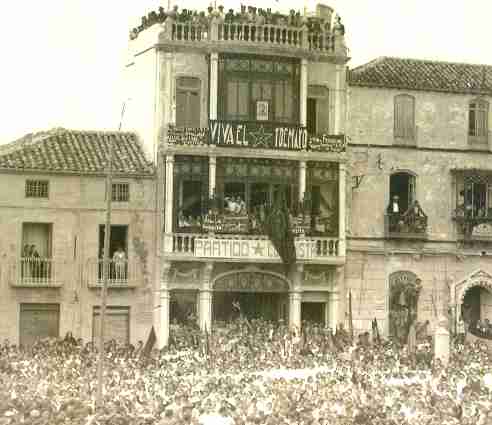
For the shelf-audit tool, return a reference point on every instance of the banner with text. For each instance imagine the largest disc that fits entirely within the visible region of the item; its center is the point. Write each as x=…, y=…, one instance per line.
x=260, y=249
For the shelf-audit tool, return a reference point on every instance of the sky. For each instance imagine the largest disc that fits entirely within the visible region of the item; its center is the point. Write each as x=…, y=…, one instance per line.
x=62, y=61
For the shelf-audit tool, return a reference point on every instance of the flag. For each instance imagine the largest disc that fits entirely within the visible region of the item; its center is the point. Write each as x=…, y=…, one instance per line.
x=278, y=228
x=149, y=345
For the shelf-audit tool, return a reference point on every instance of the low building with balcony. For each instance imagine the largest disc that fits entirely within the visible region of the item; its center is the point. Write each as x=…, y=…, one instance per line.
x=420, y=163
x=52, y=211
x=244, y=114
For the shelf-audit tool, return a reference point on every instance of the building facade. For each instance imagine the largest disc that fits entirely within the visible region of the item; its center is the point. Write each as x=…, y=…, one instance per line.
x=242, y=110
x=420, y=201
x=53, y=208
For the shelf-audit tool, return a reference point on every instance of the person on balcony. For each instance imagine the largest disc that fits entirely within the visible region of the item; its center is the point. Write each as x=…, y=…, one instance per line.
x=35, y=262
x=119, y=259
x=394, y=214
x=26, y=261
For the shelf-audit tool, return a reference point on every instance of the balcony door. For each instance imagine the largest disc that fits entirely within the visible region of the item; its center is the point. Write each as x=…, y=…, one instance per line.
x=39, y=236
x=118, y=238
x=402, y=185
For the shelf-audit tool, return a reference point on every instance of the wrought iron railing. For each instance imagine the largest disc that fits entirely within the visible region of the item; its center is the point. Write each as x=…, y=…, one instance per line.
x=410, y=224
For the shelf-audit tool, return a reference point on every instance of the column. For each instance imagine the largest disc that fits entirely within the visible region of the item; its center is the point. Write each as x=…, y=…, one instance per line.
x=302, y=180
x=163, y=328
x=303, y=93
x=168, y=206
x=338, y=99
x=334, y=310
x=341, y=209
x=167, y=100
x=206, y=298
x=212, y=168
x=295, y=296
x=214, y=79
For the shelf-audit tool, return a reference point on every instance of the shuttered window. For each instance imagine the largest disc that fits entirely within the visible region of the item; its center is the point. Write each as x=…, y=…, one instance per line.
x=478, y=119
x=404, y=117
x=188, y=102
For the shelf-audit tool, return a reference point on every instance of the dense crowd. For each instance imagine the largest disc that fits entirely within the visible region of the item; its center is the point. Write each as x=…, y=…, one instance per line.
x=245, y=373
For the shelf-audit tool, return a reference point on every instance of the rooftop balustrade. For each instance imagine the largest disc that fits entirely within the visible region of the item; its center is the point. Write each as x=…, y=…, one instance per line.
x=252, y=26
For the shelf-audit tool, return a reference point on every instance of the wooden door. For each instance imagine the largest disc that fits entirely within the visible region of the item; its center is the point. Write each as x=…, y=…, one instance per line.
x=38, y=321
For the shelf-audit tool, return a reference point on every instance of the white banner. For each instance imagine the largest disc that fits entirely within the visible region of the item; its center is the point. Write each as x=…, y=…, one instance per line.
x=259, y=249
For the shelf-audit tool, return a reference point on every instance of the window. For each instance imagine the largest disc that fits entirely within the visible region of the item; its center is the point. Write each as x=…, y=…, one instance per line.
x=120, y=192
x=474, y=196
x=311, y=116
x=37, y=188
x=188, y=102
x=404, y=115
x=402, y=189
x=258, y=89
x=118, y=238
x=36, y=240
x=478, y=119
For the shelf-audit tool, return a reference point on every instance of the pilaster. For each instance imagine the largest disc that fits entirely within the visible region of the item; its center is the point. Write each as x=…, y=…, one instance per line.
x=341, y=209
x=212, y=171
x=338, y=99
x=303, y=93
x=168, y=209
x=295, y=296
x=302, y=180
x=206, y=298
x=164, y=296
x=214, y=79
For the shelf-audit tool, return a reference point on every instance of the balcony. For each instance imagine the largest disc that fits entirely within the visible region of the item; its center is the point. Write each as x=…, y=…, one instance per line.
x=263, y=29
x=473, y=227
x=251, y=247
x=412, y=224
x=122, y=274
x=35, y=273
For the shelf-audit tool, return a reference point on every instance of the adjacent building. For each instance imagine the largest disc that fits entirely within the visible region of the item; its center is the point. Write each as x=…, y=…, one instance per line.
x=421, y=197
x=52, y=225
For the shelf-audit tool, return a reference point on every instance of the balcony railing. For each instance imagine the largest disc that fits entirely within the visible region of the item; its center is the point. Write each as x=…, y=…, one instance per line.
x=35, y=272
x=122, y=274
x=249, y=247
x=412, y=224
x=474, y=226
x=296, y=32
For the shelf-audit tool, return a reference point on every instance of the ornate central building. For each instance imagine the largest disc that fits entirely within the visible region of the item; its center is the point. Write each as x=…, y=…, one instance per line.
x=243, y=112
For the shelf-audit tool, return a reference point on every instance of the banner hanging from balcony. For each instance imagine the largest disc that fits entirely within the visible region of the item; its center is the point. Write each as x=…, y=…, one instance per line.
x=258, y=249
x=256, y=135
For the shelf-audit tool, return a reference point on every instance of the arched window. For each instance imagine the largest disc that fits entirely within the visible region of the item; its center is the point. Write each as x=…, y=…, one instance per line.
x=478, y=113
x=404, y=115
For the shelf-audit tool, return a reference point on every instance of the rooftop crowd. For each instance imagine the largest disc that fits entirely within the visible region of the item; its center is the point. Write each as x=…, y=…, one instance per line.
x=248, y=372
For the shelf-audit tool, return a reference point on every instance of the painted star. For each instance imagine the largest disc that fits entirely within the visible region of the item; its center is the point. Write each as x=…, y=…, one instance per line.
x=258, y=249
x=261, y=137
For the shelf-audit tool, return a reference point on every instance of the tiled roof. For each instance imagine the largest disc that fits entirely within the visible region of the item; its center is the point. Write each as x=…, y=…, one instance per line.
x=61, y=150
x=418, y=74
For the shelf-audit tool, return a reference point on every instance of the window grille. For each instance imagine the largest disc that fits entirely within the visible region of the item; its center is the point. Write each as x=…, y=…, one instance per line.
x=478, y=118
x=36, y=189
x=120, y=192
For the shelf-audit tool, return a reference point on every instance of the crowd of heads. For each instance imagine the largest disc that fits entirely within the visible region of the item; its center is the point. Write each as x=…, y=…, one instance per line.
x=247, y=372
x=247, y=15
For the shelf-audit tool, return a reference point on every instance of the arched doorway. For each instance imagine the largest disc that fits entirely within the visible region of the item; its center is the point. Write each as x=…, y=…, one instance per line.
x=404, y=291
x=253, y=294
x=474, y=297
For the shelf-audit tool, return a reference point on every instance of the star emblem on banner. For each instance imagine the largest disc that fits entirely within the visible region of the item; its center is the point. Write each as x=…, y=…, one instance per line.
x=261, y=137
x=258, y=249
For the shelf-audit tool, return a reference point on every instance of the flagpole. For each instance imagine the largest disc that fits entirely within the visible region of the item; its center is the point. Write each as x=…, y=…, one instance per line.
x=107, y=231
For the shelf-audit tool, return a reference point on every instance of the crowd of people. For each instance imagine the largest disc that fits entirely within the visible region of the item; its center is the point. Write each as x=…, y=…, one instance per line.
x=247, y=372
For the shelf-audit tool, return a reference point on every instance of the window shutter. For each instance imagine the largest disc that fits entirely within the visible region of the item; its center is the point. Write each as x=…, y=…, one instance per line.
x=398, y=117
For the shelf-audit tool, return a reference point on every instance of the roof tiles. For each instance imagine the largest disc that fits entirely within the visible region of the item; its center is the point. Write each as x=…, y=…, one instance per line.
x=61, y=150
x=419, y=74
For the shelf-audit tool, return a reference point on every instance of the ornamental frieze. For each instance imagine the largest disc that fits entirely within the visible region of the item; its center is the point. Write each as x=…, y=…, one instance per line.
x=250, y=282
